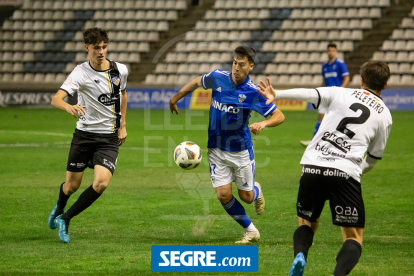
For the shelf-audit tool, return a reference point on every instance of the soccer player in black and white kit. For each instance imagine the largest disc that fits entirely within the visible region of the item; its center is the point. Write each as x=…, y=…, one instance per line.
x=351, y=138
x=100, y=130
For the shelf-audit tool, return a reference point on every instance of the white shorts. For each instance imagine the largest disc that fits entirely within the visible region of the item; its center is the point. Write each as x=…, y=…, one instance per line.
x=235, y=166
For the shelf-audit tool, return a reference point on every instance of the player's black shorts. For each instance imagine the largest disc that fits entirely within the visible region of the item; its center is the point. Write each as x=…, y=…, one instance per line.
x=319, y=184
x=97, y=149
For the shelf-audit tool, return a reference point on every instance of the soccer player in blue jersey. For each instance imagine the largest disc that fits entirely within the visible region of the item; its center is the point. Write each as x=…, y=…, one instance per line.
x=334, y=73
x=230, y=147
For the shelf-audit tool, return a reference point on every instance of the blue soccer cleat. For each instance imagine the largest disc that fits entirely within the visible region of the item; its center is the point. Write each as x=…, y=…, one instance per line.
x=63, y=229
x=298, y=266
x=52, y=216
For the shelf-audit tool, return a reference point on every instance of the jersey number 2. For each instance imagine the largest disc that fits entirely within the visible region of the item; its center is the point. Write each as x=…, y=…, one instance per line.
x=354, y=120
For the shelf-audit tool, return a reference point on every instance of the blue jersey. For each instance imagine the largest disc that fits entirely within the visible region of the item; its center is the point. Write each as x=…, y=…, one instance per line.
x=334, y=73
x=231, y=105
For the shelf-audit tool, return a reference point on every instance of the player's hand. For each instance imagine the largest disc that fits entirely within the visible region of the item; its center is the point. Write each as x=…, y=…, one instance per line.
x=75, y=110
x=255, y=128
x=267, y=91
x=122, y=134
x=173, y=107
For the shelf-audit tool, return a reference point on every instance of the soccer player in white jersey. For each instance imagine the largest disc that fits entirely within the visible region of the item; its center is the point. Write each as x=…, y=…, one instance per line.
x=351, y=138
x=230, y=147
x=100, y=130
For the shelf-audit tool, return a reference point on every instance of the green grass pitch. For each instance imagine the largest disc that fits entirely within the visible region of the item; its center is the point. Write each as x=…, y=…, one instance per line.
x=151, y=201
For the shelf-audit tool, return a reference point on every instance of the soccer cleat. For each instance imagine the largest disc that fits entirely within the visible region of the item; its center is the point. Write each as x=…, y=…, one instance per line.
x=55, y=212
x=249, y=236
x=298, y=265
x=305, y=143
x=63, y=229
x=259, y=203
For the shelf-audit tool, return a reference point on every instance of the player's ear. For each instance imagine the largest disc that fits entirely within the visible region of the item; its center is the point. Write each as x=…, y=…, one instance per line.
x=385, y=86
x=251, y=66
x=86, y=48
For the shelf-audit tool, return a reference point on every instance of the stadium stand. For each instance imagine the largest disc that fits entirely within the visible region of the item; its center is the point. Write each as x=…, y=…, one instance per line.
x=290, y=37
x=43, y=40
x=398, y=52
x=169, y=42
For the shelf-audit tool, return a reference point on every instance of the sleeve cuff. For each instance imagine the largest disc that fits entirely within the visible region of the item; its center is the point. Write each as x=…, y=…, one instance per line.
x=270, y=110
x=374, y=157
x=319, y=100
x=202, y=82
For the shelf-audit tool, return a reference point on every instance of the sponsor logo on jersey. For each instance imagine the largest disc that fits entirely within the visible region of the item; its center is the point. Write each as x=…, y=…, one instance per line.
x=72, y=164
x=97, y=81
x=80, y=165
x=115, y=80
x=219, y=89
x=108, y=99
x=68, y=81
x=242, y=97
x=331, y=75
x=224, y=107
x=245, y=185
x=337, y=141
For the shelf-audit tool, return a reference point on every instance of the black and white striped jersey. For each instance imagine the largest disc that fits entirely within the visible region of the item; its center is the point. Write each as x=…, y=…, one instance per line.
x=100, y=92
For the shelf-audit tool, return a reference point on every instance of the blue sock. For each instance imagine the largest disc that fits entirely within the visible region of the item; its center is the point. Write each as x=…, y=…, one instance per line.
x=318, y=124
x=237, y=212
x=256, y=193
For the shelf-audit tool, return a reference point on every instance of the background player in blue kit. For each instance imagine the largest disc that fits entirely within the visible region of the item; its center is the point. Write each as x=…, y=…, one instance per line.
x=230, y=151
x=334, y=73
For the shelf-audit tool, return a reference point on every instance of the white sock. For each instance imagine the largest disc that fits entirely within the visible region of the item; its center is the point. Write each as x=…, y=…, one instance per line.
x=251, y=228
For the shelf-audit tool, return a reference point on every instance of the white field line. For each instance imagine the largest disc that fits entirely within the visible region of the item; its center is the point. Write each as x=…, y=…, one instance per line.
x=36, y=133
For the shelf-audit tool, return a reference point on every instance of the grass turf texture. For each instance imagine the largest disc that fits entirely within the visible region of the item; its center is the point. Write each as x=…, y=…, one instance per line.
x=144, y=205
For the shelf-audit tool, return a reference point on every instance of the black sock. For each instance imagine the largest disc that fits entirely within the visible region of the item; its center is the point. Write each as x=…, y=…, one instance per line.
x=347, y=257
x=84, y=201
x=63, y=199
x=302, y=240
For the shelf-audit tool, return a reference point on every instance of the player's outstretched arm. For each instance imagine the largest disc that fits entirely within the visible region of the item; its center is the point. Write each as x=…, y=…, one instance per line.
x=367, y=164
x=75, y=110
x=276, y=119
x=187, y=89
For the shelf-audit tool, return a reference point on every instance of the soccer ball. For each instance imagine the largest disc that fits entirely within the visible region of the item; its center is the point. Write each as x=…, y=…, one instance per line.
x=187, y=155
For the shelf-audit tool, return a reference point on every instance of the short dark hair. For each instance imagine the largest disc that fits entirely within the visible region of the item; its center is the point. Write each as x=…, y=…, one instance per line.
x=245, y=51
x=375, y=74
x=95, y=36
x=331, y=45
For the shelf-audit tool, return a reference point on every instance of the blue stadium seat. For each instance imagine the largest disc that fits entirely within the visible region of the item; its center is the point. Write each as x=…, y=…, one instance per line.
x=28, y=67
x=59, y=67
x=60, y=57
x=285, y=13
x=49, y=57
x=39, y=67
x=275, y=14
x=88, y=14
x=49, y=46
x=59, y=35
x=39, y=56
x=256, y=35
x=258, y=69
x=70, y=56
x=48, y=67
x=68, y=36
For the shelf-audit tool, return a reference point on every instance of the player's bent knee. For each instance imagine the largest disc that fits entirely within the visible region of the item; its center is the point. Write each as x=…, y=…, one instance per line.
x=224, y=198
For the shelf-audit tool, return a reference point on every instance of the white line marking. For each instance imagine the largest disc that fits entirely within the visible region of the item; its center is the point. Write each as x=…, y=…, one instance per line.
x=35, y=145
x=36, y=133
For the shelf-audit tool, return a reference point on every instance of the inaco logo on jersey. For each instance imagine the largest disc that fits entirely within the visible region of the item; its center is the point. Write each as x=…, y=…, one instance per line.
x=242, y=97
x=116, y=80
x=224, y=107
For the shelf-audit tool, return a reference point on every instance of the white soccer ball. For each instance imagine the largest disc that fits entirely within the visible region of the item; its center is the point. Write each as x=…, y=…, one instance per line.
x=187, y=155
